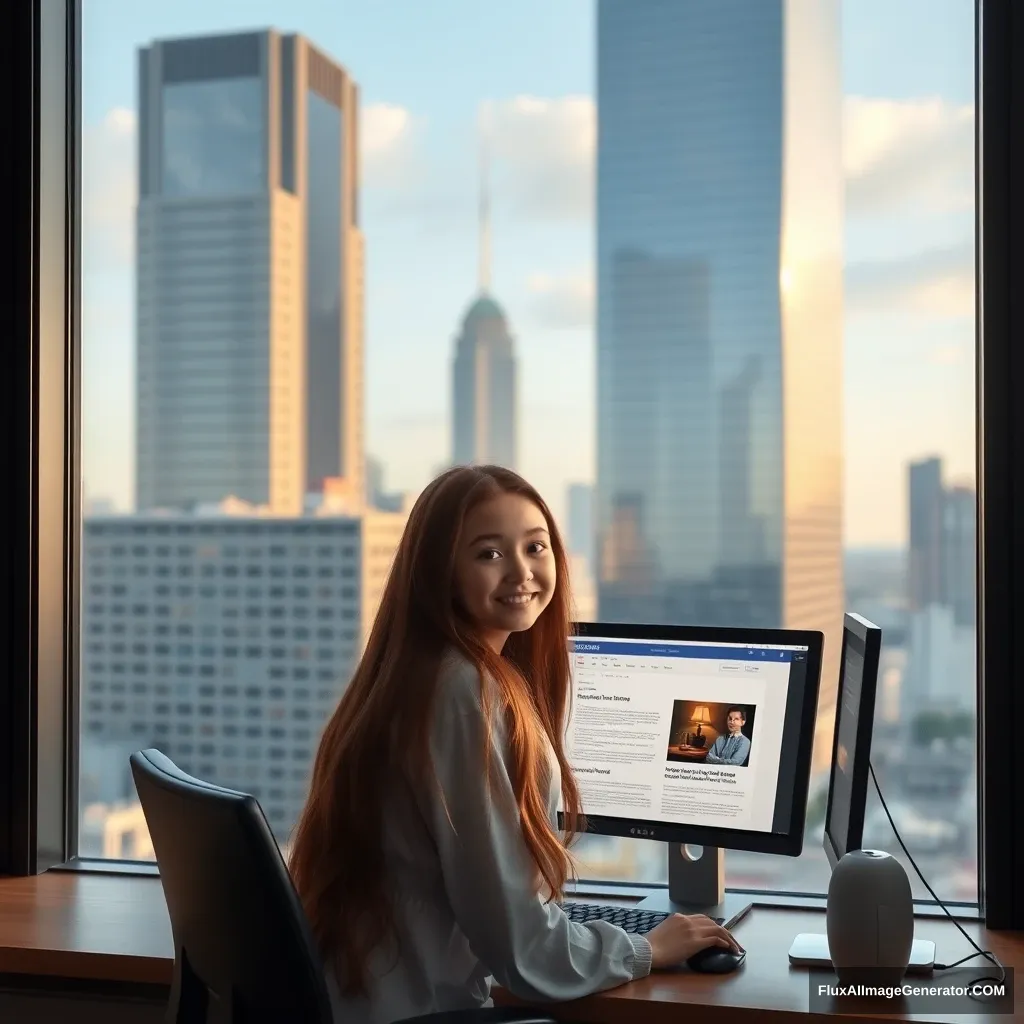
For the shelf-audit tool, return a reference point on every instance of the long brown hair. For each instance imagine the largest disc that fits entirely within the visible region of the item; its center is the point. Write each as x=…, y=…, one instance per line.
x=378, y=736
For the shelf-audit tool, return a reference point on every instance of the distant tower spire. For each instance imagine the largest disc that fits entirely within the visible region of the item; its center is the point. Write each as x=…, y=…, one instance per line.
x=484, y=270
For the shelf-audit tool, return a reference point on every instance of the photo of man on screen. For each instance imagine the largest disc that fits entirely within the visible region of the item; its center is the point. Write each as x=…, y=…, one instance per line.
x=732, y=748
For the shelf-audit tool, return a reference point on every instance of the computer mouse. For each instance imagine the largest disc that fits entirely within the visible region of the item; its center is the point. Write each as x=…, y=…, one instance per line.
x=715, y=960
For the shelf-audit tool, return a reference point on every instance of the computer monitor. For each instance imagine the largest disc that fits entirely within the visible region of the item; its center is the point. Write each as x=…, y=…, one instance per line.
x=849, y=775
x=694, y=736
x=851, y=744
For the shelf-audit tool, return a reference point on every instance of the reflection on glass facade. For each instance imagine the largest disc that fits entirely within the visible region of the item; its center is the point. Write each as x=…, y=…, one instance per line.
x=719, y=313
x=213, y=137
x=324, y=183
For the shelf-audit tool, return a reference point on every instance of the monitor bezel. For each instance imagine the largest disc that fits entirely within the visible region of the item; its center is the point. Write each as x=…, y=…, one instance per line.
x=868, y=636
x=788, y=844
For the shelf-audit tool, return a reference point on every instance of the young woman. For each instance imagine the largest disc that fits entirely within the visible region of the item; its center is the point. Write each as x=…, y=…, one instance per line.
x=428, y=856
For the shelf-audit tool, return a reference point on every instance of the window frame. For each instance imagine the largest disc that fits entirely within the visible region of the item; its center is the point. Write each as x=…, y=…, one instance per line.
x=1000, y=416
x=40, y=403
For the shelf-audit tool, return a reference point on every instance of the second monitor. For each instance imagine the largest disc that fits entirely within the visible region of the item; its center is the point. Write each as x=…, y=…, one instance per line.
x=694, y=737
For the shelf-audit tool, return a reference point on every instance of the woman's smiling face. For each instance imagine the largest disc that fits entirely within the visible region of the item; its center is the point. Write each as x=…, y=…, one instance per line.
x=504, y=567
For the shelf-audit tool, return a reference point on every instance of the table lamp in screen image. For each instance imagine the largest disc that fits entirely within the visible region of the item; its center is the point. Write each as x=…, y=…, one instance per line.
x=701, y=717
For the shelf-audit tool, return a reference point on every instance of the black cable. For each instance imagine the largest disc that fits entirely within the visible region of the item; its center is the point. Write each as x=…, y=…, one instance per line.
x=986, y=953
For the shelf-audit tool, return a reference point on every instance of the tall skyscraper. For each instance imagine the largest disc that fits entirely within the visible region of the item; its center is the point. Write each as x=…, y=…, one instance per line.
x=720, y=252
x=943, y=543
x=960, y=554
x=484, y=367
x=924, y=568
x=249, y=307
x=374, y=480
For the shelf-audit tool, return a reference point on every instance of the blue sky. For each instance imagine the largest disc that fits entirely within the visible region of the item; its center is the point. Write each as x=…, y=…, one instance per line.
x=424, y=70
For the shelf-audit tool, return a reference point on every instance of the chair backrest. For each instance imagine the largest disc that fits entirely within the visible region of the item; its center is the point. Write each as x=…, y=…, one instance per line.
x=244, y=952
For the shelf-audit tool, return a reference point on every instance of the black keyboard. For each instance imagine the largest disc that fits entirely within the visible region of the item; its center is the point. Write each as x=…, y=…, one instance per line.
x=639, y=922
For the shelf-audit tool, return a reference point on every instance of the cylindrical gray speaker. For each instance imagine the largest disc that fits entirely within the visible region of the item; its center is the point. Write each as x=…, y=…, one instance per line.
x=870, y=919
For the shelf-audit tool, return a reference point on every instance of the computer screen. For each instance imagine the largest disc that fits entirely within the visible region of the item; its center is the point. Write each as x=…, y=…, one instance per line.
x=851, y=747
x=689, y=735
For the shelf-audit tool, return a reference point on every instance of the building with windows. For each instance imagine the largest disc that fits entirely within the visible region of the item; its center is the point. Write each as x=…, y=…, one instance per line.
x=926, y=495
x=941, y=596
x=719, y=317
x=941, y=667
x=960, y=554
x=249, y=267
x=224, y=641
x=943, y=543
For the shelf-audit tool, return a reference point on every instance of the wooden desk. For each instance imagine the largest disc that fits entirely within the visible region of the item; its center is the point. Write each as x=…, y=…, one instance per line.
x=86, y=926
x=767, y=989
x=115, y=928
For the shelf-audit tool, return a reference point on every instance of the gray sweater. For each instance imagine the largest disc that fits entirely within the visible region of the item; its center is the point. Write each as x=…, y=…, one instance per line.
x=464, y=893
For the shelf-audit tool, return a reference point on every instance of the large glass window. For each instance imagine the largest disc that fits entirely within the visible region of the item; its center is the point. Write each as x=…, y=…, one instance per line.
x=711, y=290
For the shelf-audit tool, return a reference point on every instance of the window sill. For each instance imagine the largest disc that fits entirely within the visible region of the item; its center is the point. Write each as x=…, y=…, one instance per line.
x=101, y=866
x=583, y=888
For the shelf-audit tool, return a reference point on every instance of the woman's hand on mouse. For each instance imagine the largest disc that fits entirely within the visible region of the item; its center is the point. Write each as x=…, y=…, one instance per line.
x=678, y=937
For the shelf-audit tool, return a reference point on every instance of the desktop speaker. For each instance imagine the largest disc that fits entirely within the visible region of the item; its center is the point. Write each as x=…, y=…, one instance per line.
x=869, y=918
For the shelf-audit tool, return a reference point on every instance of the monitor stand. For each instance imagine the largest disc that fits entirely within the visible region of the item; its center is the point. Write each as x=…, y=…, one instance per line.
x=696, y=885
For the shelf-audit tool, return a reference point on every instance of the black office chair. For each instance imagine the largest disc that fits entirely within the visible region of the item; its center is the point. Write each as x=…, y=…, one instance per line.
x=243, y=949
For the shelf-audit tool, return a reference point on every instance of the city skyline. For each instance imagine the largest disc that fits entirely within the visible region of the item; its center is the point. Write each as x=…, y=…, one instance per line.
x=753, y=273
x=909, y=248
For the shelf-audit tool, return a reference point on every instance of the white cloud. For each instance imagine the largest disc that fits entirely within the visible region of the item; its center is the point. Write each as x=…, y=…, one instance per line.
x=898, y=154
x=387, y=141
x=544, y=150
x=563, y=302
x=108, y=191
x=908, y=155
x=936, y=283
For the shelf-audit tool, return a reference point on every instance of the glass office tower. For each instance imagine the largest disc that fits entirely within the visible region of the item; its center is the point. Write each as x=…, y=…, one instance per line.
x=720, y=254
x=249, y=273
